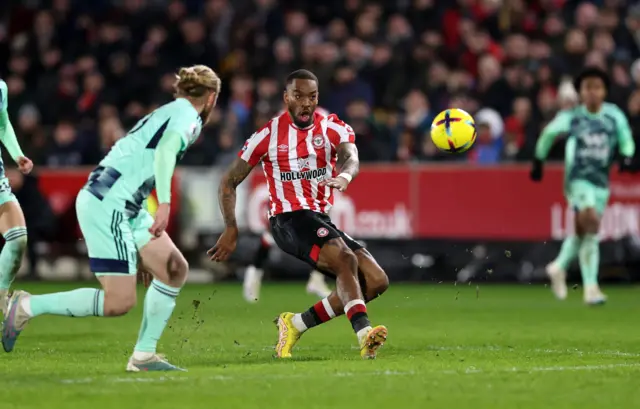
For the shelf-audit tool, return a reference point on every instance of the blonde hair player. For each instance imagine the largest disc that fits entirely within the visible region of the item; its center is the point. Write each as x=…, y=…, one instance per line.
x=118, y=229
x=12, y=223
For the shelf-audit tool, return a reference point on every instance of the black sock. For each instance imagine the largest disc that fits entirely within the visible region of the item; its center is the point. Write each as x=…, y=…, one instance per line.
x=315, y=315
x=357, y=314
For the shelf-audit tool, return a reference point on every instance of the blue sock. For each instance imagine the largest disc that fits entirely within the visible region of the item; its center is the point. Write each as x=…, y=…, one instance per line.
x=83, y=302
x=590, y=259
x=158, y=307
x=11, y=255
x=568, y=252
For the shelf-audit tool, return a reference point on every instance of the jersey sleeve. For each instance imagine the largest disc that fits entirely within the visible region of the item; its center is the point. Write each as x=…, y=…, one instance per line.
x=164, y=164
x=186, y=123
x=7, y=134
x=626, y=144
x=561, y=124
x=4, y=96
x=339, y=131
x=256, y=146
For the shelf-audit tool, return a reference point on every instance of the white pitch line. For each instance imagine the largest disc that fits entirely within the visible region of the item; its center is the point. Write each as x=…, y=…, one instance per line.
x=576, y=368
x=536, y=350
x=467, y=371
x=489, y=348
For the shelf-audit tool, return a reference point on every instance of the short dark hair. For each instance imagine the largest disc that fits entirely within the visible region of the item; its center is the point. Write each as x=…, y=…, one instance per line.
x=591, y=72
x=301, y=75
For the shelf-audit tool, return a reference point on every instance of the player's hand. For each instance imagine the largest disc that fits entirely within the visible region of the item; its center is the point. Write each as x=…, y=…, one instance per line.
x=24, y=164
x=536, y=171
x=161, y=220
x=626, y=165
x=225, y=246
x=338, y=182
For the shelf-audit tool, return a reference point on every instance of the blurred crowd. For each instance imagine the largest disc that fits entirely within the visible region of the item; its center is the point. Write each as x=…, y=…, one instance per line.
x=80, y=73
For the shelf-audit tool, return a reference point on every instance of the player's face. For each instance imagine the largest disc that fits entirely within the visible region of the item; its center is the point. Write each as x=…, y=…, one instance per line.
x=592, y=91
x=208, y=108
x=301, y=98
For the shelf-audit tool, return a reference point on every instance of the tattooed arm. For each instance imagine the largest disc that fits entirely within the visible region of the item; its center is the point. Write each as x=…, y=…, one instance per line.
x=348, y=161
x=348, y=165
x=237, y=172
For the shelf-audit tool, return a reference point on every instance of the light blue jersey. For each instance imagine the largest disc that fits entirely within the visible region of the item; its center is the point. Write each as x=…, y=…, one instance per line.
x=4, y=105
x=8, y=139
x=4, y=96
x=591, y=142
x=114, y=224
x=126, y=177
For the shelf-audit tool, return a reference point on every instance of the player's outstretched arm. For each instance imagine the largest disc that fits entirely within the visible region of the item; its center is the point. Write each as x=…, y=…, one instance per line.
x=348, y=160
x=10, y=141
x=559, y=125
x=348, y=165
x=626, y=144
x=237, y=172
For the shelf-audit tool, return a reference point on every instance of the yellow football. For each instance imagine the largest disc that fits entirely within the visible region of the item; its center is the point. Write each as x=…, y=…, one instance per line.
x=453, y=131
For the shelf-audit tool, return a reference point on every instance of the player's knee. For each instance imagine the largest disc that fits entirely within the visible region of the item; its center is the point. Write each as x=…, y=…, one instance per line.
x=589, y=221
x=345, y=262
x=379, y=284
x=118, y=303
x=178, y=268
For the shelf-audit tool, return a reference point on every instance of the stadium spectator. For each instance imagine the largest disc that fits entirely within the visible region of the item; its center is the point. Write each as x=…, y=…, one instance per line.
x=71, y=60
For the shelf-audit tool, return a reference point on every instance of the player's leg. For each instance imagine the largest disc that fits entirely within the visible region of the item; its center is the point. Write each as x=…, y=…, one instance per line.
x=161, y=258
x=325, y=249
x=589, y=256
x=13, y=229
x=557, y=269
x=373, y=282
x=588, y=201
x=317, y=285
x=112, y=257
x=253, y=274
x=579, y=198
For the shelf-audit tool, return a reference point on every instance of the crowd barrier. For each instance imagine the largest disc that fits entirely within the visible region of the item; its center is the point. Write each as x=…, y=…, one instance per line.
x=418, y=219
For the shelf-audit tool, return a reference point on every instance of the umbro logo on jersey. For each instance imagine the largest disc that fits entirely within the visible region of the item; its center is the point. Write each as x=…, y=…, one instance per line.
x=283, y=148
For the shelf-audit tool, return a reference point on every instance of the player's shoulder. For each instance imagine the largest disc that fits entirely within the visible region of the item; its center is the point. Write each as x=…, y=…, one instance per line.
x=179, y=106
x=335, y=121
x=570, y=116
x=333, y=118
x=263, y=132
x=612, y=109
x=568, y=113
x=337, y=124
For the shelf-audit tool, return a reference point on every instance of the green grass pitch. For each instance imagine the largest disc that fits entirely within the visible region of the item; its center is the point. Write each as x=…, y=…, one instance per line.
x=449, y=347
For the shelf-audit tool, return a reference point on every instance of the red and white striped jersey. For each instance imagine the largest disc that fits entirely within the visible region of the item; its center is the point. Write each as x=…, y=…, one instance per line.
x=295, y=160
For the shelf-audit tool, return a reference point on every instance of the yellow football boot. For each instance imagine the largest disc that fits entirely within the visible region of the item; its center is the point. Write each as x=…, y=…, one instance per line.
x=288, y=335
x=374, y=339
